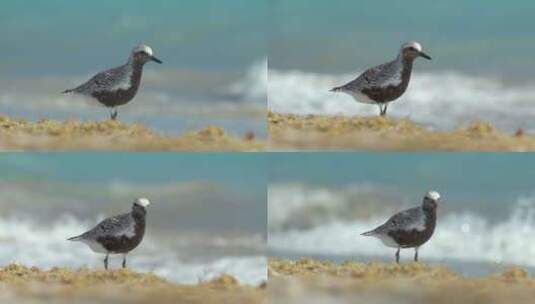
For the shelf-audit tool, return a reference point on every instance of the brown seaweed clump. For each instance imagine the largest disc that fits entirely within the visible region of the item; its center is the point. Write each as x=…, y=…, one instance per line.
x=288, y=131
x=21, y=284
x=308, y=280
x=19, y=134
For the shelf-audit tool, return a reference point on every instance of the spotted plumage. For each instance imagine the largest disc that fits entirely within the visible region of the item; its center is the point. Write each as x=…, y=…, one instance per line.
x=410, y=228
x=117, y=86
x=385, y=83
x=118, y=234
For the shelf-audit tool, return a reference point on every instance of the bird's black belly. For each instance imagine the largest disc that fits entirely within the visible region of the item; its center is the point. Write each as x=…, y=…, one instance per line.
x=383, y=95
x=410, y=238
x=115, y=98
x=120, y=244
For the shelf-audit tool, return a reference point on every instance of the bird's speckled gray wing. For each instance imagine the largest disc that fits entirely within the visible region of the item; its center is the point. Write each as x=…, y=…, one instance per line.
x=112, y=226
x=110, y=80
x=375, y=77
x=409, y=219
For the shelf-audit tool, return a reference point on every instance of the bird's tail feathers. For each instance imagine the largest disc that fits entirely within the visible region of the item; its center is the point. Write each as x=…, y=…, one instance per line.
x=369, y=233
x=337, y=89
x=67, y=91
x=75, y=238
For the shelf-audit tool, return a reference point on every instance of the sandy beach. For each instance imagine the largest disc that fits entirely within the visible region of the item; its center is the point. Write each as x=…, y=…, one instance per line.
x=313, y=281
x=289, y=132
x=19, y=134
x=21, y=284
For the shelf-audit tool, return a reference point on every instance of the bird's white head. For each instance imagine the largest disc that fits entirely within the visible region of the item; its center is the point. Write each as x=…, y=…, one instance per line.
x=143, y=53
x=143, y=48
x=432, y=195
x=143, y=202
x=413, y=49
x=412, y=44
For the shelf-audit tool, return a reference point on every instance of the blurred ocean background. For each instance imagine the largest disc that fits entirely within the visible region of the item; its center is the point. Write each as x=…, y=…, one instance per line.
x=207, y=217
x=319, y=204
x=482, y=67
x=214, y=55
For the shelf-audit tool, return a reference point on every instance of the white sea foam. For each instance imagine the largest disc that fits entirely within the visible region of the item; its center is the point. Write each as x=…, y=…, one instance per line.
x=253, y=86
x=284, y=200
x=441, y=100
x=459, y=236
x=299, y=205
x=24, y=242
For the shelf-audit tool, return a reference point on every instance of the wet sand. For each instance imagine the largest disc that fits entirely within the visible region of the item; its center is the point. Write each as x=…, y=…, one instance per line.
x=19, y=134
x=288, y=132
x=312, y=281
x=20, y=284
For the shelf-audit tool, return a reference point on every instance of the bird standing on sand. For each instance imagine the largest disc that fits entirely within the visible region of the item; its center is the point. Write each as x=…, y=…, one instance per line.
x=410, y=228
x=385, y=83
x=119, y=234
x=116, y=87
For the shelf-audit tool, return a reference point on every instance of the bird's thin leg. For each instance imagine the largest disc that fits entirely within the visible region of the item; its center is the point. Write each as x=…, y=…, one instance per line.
x=124, y=261
x=106, y=262
x=397, y=255
x=380, y=109
x=416, y=254
x=113, y=113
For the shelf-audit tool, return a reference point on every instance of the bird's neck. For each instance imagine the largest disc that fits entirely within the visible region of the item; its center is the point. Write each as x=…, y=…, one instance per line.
x=430, y=212
x=405, y=64
x=139, y=216
x=139, y=212
x=135, y=64
x=136, y=71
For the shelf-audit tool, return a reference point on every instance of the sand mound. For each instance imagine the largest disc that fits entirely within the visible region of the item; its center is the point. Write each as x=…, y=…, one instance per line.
x=19, y=134
x=311, y=281
x=21, y=284
x=288, y=131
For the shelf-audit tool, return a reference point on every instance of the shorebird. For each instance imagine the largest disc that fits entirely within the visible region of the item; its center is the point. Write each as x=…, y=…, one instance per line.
x=410, y=228
x=116, y=87
x=385, y=83
x=119, y=234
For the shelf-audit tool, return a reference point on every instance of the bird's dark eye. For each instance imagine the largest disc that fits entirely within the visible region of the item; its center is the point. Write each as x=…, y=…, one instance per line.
x=412, y=48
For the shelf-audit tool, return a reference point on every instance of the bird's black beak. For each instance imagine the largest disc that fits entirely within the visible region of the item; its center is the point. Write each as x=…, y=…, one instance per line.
x=422, y=54
x=155, y=59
